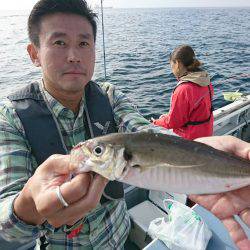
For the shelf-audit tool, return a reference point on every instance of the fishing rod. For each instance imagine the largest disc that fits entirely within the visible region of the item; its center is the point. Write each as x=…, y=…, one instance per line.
x=103, y=43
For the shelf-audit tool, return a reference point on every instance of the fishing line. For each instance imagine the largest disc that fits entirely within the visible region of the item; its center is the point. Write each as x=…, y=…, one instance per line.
x=103, y=42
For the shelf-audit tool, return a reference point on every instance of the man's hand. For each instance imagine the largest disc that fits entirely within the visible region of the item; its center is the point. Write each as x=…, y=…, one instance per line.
x=38, y=201
x=237, y=202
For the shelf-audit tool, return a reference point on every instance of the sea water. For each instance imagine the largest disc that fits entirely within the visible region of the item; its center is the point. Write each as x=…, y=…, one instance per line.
x=138, y=43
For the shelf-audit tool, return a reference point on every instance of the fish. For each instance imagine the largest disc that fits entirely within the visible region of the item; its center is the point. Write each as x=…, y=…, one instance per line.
x=161, y=162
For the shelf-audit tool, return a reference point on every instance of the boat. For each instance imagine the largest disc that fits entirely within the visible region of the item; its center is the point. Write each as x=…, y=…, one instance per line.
x=146, y=205
x=233, y=119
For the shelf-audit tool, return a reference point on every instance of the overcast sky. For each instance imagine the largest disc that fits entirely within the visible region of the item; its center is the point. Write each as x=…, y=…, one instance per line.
x=27, y=4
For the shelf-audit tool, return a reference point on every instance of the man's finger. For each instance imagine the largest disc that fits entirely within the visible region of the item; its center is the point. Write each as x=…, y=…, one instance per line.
x=76, y=188
x=77, y=210
x=229, y=144
x=55, y=164
x=244, y=244
x=245, y=216
x=238, y=147
x=71, y=192
x=235, y=230
x=207, y=201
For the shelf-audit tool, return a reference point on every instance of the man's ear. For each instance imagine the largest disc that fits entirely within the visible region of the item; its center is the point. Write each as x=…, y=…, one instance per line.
x=33, y=52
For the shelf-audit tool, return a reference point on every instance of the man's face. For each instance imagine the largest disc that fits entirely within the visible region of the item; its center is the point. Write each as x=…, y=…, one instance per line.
x=66, y=53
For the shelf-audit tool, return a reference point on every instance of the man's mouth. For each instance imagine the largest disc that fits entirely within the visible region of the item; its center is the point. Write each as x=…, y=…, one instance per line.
x=74, y=73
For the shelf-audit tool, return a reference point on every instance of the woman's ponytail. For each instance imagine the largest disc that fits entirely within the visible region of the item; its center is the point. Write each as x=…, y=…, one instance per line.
x=194, y=66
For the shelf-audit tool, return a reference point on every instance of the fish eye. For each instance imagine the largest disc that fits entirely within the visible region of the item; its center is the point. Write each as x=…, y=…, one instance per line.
x=98, y=150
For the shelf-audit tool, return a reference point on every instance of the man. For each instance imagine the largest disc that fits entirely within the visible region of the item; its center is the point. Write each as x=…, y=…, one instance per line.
x=38, y=197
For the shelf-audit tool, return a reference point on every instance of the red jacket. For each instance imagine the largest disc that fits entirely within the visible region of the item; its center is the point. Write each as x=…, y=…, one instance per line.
x=189, y=102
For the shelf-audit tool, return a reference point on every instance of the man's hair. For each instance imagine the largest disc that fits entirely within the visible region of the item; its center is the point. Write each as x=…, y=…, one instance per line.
x=47, y=7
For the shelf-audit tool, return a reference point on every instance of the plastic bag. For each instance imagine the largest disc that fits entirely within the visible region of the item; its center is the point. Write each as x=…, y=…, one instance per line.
x=183, y=229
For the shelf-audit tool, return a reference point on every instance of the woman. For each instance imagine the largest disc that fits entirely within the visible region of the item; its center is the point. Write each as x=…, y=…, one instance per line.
x=191, y=111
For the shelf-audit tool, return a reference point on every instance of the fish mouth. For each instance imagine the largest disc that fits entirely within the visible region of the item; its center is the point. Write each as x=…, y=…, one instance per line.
x=84, y=166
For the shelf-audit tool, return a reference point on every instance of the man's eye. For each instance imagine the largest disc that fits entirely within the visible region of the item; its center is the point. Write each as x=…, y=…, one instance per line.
x=59, y=43
x=84, y=44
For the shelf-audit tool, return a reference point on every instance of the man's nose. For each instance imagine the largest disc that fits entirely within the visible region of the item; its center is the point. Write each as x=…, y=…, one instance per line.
x=73, y=56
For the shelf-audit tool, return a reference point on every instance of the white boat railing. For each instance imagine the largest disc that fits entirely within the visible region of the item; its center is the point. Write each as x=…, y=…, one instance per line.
x=232, y=118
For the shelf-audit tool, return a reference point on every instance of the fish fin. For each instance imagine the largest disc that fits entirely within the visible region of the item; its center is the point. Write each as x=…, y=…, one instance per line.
x=140, y=168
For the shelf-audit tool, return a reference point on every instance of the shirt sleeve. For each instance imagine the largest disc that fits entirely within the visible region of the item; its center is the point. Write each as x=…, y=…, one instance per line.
x=178, y=115
x=15, y=168
x=127, y=116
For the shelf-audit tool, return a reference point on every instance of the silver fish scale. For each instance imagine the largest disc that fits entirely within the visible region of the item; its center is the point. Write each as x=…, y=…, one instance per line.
x=149, y=150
